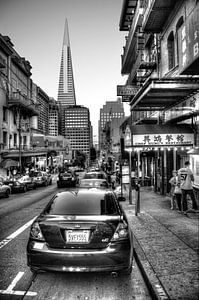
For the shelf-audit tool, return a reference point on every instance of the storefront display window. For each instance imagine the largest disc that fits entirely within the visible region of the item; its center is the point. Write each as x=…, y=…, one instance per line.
x=195, y=168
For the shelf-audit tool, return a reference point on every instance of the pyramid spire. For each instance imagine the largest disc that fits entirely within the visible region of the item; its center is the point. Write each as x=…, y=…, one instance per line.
x=66, y=40
x=66, y=88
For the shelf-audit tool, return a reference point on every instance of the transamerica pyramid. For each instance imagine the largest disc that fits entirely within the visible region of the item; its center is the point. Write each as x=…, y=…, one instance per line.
x=66, y=89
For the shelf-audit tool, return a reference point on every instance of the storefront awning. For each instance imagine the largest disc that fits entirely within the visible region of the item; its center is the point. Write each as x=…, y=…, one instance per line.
x=159, y=94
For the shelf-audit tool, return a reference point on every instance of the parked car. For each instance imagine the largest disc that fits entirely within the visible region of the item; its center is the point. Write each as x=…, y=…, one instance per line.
x=16, y=185
x=5, y=190
x=67, y=178
x=86, y=230
x=28, y=181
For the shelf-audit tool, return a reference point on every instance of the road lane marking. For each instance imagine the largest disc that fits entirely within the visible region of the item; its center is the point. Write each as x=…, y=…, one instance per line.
x=16, y=233
x=10, y=288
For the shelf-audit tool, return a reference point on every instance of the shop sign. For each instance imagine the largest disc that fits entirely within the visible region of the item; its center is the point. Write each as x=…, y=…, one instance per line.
x=126, y=99
x=189, y=40
x=125, y=174
x=127, y=90
x=160, y=140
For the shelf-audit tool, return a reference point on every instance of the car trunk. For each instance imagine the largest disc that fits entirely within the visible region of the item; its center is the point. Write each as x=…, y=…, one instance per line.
x=79, y=233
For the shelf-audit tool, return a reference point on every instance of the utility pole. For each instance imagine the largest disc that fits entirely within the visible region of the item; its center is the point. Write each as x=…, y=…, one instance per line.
x=19, y=130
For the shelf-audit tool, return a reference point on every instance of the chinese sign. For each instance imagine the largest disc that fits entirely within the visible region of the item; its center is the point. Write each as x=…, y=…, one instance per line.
x=126, y=90
x=189, y=40
x=159, y=140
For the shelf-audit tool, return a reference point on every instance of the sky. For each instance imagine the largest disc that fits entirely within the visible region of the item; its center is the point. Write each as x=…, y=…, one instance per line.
x=36, y=28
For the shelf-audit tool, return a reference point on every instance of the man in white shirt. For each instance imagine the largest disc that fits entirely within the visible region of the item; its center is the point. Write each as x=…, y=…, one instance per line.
x=186, y=178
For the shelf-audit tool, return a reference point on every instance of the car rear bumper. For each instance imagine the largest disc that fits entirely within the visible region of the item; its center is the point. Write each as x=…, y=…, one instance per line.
x=116, y=257
x=65, y=183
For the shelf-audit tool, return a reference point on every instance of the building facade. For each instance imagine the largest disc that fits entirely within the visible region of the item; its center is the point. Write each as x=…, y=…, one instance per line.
x=53, y=117
x=110, y=110
x=24, y=108
x=78, y=128
x=161, y=59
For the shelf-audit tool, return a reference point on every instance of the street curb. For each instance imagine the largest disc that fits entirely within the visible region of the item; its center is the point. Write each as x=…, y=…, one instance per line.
x=152, y=281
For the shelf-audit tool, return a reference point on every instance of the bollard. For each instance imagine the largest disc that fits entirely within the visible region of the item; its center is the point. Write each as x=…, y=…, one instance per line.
x=137, y=199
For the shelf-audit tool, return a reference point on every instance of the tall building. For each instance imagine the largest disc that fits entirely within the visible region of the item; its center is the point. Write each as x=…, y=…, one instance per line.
x=111, y=110
x=66, y=89
x=53, y=117
x=78, y=128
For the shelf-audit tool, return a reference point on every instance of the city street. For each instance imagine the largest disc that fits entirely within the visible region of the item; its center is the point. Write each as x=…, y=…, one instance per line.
x=17, y=282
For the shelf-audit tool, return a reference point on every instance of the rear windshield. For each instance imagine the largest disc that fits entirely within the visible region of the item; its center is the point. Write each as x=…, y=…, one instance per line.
x=84, y=204
x=94, y=175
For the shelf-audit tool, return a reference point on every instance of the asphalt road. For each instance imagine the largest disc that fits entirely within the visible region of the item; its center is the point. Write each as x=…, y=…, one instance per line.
x=16, y=280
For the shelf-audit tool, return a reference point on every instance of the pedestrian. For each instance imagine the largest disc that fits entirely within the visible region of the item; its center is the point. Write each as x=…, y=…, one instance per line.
x=175, y=191
x=186, y=178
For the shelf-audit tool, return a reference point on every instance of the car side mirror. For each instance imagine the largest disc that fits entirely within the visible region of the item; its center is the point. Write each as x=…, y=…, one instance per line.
x=121, y=198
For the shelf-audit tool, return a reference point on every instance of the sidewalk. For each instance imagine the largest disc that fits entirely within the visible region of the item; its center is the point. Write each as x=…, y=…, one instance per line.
x=166, y=246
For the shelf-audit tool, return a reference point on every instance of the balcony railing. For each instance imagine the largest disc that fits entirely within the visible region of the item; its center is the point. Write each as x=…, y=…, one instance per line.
x=156, y=13
x=16, y=99
x=131, y=42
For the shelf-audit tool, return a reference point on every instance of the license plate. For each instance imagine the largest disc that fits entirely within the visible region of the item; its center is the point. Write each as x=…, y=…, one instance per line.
x=77, y=236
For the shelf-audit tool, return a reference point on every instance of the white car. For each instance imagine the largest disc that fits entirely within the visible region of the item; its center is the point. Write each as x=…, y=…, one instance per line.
x=5, y=190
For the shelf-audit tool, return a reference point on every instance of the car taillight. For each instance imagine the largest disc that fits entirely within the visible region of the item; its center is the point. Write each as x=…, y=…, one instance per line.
x=35, y=232
x=121, y=232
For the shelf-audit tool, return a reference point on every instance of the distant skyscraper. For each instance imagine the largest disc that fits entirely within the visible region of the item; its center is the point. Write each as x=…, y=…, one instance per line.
x=66, y=90
x=111, y=110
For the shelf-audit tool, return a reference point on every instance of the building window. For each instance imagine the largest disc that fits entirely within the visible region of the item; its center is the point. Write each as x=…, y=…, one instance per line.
x=5, y=138
x=178, y=26
x=15, y=139
x=171, y=51
x=4, y=114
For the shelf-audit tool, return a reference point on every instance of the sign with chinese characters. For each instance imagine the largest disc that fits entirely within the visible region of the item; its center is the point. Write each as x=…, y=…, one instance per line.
x=127, y=90
x=188, y=36
x=160, y=140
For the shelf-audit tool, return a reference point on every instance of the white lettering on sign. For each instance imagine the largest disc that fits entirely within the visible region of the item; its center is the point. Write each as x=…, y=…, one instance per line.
x=195, y=49
x=181, y=139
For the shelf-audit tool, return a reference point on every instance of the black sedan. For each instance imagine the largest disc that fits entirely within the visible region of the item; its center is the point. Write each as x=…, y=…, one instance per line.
x=16, y=185
x=81, y=231
x=67, y=179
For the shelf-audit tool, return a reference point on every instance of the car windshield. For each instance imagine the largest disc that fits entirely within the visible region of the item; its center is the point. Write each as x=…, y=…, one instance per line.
x=94, y=175
x=72, y=203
